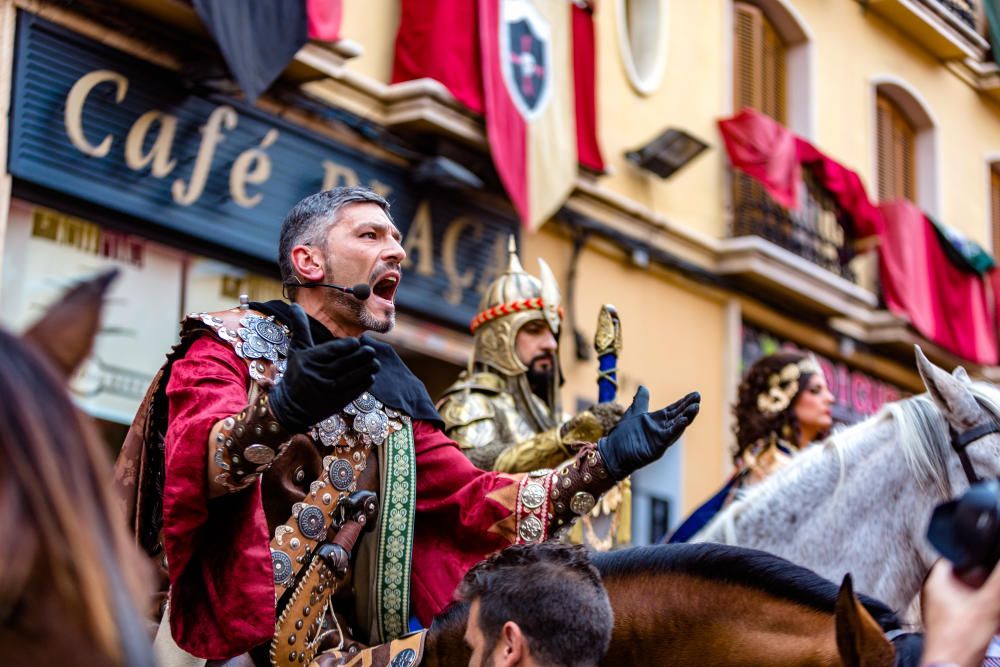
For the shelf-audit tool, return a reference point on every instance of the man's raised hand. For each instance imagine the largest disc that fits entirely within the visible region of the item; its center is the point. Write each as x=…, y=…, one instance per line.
x=320, y=380
x=642, y=437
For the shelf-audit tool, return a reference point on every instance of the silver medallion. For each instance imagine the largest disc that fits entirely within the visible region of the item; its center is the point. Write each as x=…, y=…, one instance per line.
x=341, y=474
x=330, y=430
x=282, y=566
x=373, y=427
x=530, y=529
x=311, y=521
x=366, y=403
x=261, y=338
x=582, y=502
x=533, y=495
x=258, y=454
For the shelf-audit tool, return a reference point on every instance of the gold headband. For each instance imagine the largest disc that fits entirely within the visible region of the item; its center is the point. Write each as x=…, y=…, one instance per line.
x=784, y=385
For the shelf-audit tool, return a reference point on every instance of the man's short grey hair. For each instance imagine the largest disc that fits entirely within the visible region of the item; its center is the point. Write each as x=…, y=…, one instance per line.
x=309, y=221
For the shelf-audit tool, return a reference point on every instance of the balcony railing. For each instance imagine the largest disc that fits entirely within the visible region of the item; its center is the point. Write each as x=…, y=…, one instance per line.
x=815, y=232
x=963, y=10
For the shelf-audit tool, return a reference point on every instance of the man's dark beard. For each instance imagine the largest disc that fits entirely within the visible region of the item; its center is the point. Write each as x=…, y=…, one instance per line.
x=357, y=308
x=541, y=380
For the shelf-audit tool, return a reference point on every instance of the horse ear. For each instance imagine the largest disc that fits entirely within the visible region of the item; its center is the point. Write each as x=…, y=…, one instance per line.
x=66, y=332
x=860, y=640
x=949, y=392
x=961, y=375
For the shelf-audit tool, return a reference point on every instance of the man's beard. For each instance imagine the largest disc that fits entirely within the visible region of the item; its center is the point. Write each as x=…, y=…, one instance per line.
x=541, y=380
x=357, y=308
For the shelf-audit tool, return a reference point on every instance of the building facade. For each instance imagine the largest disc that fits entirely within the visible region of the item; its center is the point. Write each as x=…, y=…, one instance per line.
x=116, y=151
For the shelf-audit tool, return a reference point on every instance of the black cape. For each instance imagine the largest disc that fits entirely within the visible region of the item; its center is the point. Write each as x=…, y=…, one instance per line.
x=395, y=384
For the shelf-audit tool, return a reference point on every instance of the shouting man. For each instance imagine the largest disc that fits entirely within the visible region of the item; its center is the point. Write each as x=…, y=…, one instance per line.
x=291, y=475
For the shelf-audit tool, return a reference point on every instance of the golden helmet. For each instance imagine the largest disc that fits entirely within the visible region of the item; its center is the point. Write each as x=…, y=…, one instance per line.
x=510, y=302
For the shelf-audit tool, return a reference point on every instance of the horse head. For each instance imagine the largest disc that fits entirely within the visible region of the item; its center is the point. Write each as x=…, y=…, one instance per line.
x=971, y=411
x=76, y=569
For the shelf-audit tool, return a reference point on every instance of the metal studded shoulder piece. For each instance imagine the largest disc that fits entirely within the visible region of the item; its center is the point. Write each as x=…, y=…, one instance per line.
x=260, y=340
x=365, y=421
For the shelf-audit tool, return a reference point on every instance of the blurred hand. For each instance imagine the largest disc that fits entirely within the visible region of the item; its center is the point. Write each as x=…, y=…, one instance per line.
x=642, y=437
x=591, y=424
x=320, y=380
x=959, y=620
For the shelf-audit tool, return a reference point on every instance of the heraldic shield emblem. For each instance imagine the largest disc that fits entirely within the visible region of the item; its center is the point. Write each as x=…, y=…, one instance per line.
x=526, y=55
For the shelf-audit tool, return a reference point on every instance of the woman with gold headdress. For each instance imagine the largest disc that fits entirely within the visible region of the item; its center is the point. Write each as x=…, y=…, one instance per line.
x=783, y=406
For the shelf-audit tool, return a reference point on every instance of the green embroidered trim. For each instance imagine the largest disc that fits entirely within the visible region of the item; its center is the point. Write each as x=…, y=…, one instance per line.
x=395, y=543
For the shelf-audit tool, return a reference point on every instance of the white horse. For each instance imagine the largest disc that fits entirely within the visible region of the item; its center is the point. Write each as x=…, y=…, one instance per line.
x=861, y=501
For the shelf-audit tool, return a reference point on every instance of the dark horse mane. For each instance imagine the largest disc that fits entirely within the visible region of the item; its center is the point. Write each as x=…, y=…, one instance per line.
x=745, y=567
x=751, y=568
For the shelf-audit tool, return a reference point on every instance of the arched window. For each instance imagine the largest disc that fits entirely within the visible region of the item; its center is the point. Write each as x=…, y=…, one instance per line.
x=895, y=152
x=905, y=145
x=760, y=56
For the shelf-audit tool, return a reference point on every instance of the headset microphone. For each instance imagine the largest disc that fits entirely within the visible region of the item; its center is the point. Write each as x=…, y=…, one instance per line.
x=361, y=291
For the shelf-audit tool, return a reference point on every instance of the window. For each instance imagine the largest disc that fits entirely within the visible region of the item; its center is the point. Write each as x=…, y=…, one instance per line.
x=642, y=31
x=895, y=152
x=760, y=78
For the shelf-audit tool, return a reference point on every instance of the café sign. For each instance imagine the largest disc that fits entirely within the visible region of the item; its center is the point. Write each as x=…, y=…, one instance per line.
x=96, y=124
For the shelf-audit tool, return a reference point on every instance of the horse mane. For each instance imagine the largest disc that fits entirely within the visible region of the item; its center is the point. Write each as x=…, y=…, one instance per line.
x=923, y=441
x=750, y=568
x=924, y=437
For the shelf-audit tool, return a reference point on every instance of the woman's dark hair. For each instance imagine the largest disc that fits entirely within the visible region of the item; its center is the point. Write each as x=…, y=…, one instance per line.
x=753, y=424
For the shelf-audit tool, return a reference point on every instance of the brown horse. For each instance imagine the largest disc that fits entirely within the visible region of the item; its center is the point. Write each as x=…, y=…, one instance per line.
x=708, y=604
x=68, y=573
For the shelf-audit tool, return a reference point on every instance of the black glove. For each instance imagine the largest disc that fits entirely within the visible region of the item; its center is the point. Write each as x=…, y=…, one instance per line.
x=320, y=379
x=642, y=437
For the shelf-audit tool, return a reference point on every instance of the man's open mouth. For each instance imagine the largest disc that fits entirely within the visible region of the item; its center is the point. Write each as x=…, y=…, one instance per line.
x=385, y=287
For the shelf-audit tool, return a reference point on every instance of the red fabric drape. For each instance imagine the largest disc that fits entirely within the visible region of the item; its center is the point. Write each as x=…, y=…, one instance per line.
x=324, y=18
x=439, y=39
x=769, y=152
x=764, y=149
x=947, y=305
x=846, y=187
x=584, y=77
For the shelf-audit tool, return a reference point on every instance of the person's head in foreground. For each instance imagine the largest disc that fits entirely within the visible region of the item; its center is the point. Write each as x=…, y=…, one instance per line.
x=536, y=605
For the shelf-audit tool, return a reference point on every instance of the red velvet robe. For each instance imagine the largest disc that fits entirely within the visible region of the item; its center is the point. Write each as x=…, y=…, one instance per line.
x=221, y=583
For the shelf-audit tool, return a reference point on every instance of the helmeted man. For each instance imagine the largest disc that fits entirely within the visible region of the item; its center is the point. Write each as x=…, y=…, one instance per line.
x=504, y=410
x=291, y=475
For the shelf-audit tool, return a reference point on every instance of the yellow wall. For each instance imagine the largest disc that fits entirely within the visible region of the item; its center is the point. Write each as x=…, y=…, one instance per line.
x=689, y=97
x=674, y=342
x=373, y=25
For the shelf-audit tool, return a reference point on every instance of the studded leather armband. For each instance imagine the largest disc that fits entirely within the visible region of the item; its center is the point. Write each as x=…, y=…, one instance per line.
x=247, y=443
x=548, y=501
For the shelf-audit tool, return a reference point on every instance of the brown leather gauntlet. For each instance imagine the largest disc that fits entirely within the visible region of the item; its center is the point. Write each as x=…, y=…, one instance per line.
x=577, y=485
x=247, y=443
x=549, y=501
